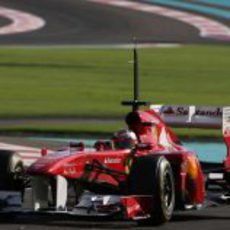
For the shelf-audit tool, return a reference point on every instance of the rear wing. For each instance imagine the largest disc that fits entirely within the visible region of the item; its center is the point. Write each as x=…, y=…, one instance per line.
x=211, y=117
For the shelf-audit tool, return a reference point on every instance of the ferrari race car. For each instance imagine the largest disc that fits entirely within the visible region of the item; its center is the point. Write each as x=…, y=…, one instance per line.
x=143, y=173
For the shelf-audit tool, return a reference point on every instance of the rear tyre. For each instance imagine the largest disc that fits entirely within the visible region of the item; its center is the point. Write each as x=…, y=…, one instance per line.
x=11, y=171
x=152, y=175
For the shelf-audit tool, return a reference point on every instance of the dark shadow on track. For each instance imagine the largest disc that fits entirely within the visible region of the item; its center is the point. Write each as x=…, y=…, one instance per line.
x=61, y=221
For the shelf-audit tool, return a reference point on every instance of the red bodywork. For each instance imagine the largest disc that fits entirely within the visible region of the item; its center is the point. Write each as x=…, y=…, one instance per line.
x=106, y=169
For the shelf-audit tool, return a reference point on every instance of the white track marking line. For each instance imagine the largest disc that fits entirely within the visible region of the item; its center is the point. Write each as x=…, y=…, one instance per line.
x=21, y=22
x=208, y=28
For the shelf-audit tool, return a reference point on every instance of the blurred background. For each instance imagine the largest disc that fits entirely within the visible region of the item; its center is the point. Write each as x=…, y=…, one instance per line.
x=65, y=64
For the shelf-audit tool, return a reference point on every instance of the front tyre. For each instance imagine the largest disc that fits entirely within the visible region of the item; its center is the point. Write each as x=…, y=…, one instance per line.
x=164, y=201
x=152, y=175
x=11, y=171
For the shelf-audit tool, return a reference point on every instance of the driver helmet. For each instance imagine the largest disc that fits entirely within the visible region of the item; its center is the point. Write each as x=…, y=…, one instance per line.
x=124, y=139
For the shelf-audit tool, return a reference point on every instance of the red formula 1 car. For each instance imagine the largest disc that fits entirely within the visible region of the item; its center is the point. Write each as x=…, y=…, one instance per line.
x=143, y=173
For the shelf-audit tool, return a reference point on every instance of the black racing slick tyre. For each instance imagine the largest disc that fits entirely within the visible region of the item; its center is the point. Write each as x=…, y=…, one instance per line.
x=11, y=171
x=152, y=175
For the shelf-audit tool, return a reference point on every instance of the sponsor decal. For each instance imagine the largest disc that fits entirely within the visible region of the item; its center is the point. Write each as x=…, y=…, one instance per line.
x=110, y=160
x=217, y=112
x=71, y=164
x=178, y=111
x=70, y=171
x=184, y=111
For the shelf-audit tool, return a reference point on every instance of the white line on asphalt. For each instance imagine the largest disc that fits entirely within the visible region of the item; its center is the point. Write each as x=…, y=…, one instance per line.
x=208, y=28
x=20, y=22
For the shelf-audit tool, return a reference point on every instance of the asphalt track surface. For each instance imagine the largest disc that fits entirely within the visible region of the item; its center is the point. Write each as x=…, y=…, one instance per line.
x=210, y=220
x=81, y=22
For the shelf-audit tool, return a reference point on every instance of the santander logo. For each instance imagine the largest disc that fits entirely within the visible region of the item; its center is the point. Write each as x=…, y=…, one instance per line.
x=199, y=111
x=211, y=113
x=178, y=111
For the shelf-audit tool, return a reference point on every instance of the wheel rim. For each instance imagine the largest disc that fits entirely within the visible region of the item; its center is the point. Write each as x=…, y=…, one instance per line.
x=18, y=172
x=167, y=190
